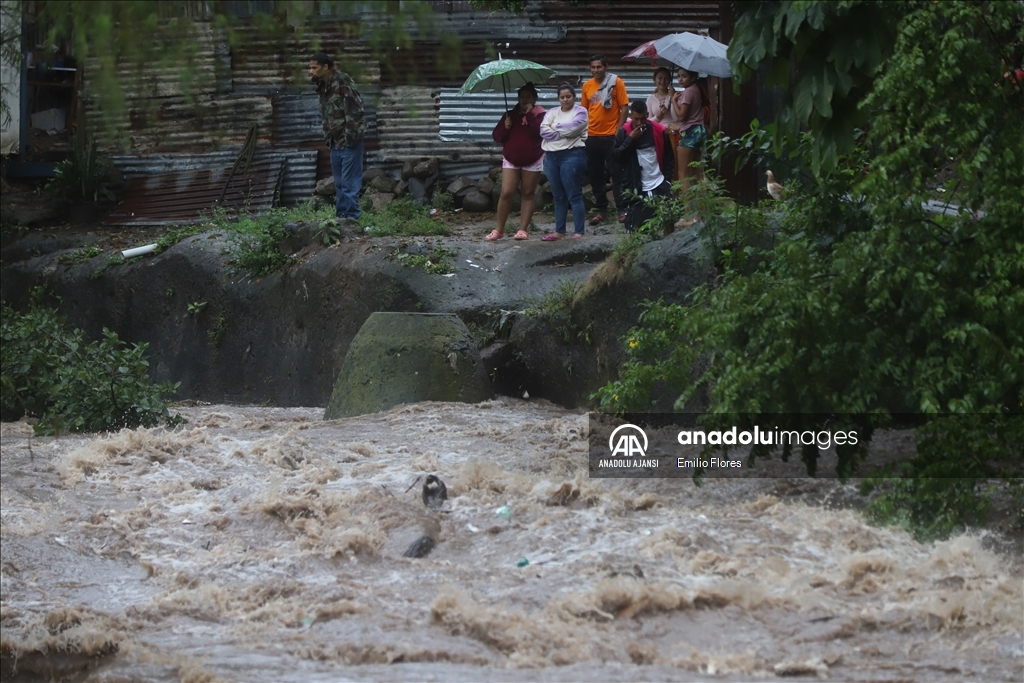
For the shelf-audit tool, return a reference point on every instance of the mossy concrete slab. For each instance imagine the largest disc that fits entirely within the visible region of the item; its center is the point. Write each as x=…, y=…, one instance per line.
x=405, y=358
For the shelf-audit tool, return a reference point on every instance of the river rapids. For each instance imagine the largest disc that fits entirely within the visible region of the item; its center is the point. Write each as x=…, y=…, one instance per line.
x=266, y=545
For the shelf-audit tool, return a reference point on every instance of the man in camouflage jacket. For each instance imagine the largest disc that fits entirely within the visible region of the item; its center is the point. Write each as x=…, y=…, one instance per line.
x=341, y=109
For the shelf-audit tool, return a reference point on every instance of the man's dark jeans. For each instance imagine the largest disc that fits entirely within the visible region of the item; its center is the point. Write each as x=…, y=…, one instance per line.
x=599, y=168
x=347, y=168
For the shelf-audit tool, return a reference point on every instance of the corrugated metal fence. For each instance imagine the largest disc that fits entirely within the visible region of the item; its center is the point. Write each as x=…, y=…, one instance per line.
x=263, y=80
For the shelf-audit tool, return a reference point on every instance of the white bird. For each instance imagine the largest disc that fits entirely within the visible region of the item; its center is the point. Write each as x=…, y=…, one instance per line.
x=774, y=189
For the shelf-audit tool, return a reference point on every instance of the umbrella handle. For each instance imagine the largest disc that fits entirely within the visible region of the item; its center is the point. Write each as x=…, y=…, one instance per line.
x=504, y=90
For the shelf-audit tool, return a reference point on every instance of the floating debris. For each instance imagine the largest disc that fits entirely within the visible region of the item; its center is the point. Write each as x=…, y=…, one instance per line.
x=435, y=493
x=421, y=547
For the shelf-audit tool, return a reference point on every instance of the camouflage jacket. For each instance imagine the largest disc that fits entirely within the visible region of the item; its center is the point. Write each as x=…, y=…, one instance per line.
x=341, y=109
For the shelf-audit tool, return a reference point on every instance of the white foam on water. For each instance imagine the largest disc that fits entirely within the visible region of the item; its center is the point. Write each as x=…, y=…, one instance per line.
x=264, y=544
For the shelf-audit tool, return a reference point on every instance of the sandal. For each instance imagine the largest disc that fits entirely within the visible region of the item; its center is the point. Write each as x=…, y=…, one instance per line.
x=495, y=235
x=551, y=237
x=598, y=219
x=577, y=235
x=521, y=235
x=685, y=223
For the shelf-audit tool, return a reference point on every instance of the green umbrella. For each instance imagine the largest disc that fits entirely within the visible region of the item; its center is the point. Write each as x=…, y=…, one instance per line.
x=507, y=73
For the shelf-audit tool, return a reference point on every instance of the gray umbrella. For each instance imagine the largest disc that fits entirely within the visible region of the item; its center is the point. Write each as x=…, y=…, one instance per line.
x=691, y=51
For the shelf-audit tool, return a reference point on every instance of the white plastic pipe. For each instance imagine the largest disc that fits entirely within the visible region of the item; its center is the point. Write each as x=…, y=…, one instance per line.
x=138, y=251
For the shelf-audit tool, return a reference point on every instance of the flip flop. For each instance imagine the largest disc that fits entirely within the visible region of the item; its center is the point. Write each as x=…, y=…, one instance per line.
x=551, y=237
x=494, y=235
x=521, y=235
x=576, y=235
x=598, y=219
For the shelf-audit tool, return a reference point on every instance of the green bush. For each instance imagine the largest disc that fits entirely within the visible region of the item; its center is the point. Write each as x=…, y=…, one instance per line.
x=848, y=298
x=52, y=372
x=402, y=217
x=949, y=482
x=80, y=255
x=557, y=307
x=443, y=201
x=175, y=235
x=86, y=175
x=435, y=263
x=257, y=238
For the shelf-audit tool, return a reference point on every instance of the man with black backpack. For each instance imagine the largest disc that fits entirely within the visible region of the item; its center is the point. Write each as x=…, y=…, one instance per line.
x=341, y=108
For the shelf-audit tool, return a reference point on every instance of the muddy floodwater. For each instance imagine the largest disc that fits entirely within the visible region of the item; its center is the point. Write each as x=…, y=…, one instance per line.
x=264, y=544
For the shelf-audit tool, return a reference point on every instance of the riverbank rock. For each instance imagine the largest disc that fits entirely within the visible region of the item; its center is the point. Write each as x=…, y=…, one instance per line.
x=325, y=187
x=381, y=200
x=381, y=184
x=485, y=185
x=476, y=201
x=282, y=338
x=459, y=184
x=371, y=174
x=406, y=358
x=426, y=168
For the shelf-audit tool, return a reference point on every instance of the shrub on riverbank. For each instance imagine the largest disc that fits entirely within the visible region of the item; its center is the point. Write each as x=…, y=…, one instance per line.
x=54, y=373
x=849, y=296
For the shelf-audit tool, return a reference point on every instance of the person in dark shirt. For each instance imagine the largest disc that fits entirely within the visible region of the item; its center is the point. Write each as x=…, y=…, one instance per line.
x=644, y=163
x=341, y=110
x=522, y=160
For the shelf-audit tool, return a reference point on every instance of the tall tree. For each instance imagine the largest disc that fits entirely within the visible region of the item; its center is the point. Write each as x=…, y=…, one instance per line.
x=865, y=303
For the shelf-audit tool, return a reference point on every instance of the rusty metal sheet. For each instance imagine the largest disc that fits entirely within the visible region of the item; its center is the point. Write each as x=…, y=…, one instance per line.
x=170, y=125
x=298, y=182
x=555, y=34
x=183, y=196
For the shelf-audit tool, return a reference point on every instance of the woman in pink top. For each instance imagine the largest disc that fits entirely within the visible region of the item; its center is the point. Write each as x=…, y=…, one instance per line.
x=688, y=106
x=522, y=160
x=661, y=109
x=689, y=109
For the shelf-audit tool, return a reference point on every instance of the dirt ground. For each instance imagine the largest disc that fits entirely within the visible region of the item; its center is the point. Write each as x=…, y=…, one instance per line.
x=84, y=224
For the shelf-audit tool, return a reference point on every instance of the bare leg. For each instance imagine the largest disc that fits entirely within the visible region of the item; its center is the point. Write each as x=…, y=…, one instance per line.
x=688, y=175
x=684, y=155
x=530, y=180
x=509, y=183
x=677, y=172
x=698, y=170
